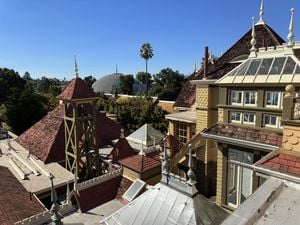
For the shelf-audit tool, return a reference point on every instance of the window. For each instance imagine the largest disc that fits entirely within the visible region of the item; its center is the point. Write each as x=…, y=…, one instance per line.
x=273, y=99
x=133, y=191
x=181, y=132
x=246, y=98
x=249, y=118
x=239, y=179
x=272, y=121
x=242, y=118
x=250, y=97
x=235, y=117
x=236, y=97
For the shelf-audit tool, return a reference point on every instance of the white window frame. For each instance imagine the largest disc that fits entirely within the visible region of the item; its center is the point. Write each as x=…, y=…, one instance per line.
x=231, y=98
x=236, y=121
x=278, y=119
x=250, y=123
x=279, y=102
x=244, y=98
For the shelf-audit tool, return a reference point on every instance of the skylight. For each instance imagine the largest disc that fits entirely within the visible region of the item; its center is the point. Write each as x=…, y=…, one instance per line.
x=265, y=70
x=134, y=190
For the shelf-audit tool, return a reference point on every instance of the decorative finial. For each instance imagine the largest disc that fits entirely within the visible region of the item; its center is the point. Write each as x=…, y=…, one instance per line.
x=166, y=159
x=291, y=29
x=253, y=40
x=261, y=13
x=76, y=75
x=142, y=149
x=56, y=216
x=195, y=69
x=122, y=135
x=190, y=172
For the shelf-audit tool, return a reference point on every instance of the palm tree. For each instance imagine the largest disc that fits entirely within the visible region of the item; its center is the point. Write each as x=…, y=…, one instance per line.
x=146, y=52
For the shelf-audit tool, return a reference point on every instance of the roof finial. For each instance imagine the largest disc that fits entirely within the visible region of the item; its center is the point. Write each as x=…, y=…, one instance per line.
x=116, y=68
x=291, y=29
x=76, y=68
x=261, y=13
x=190, y=172
x=195, y=69
x=122, y=135
x=253, y=49
x=165, y=165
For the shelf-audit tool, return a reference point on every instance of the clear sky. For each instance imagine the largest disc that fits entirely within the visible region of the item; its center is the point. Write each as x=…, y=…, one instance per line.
x=41, y=36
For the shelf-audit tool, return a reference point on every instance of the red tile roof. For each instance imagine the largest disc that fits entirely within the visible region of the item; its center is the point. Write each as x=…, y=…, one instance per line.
x=96, y=195
x=265, y=36
x=15, y=202
x=76, y=89
x=245, y=133
x=121, y=151
x=142, y=163
x=284, y=163
x=46, y=138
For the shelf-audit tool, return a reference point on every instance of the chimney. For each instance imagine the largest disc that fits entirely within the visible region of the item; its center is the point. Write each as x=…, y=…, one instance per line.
x=205, y=63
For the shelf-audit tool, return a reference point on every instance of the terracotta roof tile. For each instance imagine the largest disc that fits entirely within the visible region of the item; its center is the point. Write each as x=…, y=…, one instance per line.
x=245, y=133
x=121, y=150
x=284, y=163
x=76, y=89
x=46, y=138
x=142, y=163
x=15, y=202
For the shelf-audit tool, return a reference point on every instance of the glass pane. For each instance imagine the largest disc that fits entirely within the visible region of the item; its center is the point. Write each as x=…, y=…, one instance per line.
x=246, y=183
x=289, y=66
x=297, y=70
x=253, y=67
x=265, y=66
x=277, y=65
x=250, y=97
x=272, y=98
x=242, y=69
x=236, y=97
x=232, y=184
x=249, y=117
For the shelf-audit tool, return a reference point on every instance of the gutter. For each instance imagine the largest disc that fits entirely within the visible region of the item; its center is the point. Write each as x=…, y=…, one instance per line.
x=235, y=141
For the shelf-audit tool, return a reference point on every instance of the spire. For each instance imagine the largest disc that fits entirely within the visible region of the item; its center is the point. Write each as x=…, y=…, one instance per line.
x=291, y=29
x=195, y=69
x=76, y=75
x=253, y=49
x=261, y=13
x=116, y=68
x=165, y=165
x=190, y=172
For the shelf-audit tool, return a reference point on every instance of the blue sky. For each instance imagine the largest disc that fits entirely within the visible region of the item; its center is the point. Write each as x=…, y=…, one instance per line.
x=41, y=36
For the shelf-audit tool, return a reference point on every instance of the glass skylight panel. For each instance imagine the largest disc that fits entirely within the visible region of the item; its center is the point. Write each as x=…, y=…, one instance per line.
x=277, y=66
x=297, y=70
x=134, y=190
x=242, y=69
x=265, y=66
x=289, y=66
x=253, y=67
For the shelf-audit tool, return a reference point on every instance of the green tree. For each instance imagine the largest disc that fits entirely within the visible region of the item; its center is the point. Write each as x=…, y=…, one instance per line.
x=146, y=52
x=23, y=109
x=167, y=84
x=89, y=80
x=10, y=81
x=27, y=76
x=144, y=78
x=126, y=84
x=135, y=112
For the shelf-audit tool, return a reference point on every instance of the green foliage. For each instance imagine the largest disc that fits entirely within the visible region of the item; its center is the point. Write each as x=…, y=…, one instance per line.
x=10, y=81
x=89, y=80
x=135, y=112
x=126, y=84
x=27, y=76
x=144, y=78
x=23, y=109
x=167, y=84
x=146, y=52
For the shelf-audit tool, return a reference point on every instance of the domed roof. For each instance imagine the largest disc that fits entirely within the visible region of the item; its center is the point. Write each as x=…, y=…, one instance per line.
x=107, y=84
